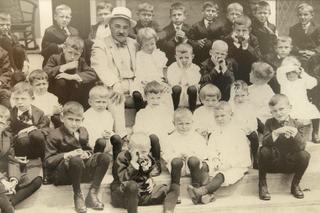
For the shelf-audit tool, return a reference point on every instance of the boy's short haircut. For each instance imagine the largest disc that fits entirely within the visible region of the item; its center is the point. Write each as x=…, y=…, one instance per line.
x=219, y=42
x=235, y=7
x=62, y=7
x=145, y=7
x=242, y=20
x=210, y=4
x=209, y=90
x=283, y=39
x=75, y=43
x=22, y=87
x=146, y=33
x=262, y=70
x=4, y=16
x=184, y=48
x=277, y=98
x=37, y=75
x=263, y=5
x=304, y=7
x=153, y=87
x=138, y=140
x=104, y=5
x=239, y=85
x=177, y=6
x=4, y=112
x=223, y=106
x=182, y=112
x=99, y=92
x=72, y=108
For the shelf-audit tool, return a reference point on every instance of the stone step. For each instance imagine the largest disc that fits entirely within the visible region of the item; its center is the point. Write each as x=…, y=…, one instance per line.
x=50, y=196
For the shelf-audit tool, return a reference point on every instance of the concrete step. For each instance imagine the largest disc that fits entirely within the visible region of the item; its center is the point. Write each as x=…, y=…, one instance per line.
x=243, y=194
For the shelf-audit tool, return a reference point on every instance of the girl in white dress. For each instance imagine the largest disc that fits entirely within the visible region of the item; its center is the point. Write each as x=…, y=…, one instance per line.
x=294, y=82
x=150, y=64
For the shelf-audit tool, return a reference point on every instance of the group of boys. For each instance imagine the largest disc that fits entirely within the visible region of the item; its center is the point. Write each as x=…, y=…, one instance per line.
x=78, y=150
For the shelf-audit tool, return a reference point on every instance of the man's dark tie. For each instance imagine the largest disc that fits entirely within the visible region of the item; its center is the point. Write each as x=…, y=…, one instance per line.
x=121, y=44
x=25, y=116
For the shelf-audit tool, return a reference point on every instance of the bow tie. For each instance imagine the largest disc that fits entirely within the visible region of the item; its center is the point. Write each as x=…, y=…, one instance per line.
x=121, y=44
x=25, y=116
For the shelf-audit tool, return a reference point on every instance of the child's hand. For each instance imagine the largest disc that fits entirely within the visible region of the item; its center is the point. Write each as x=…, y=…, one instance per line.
x=202, y=42
x=85, y=155
x=106, y=134
x=234, y=37
x=61, y=46
x=134, y=159
x=69, y=66
x=180, y=36
x=287, y=131
x=57, y=109
x=150, y=185
x=69, y=77
x=22, y=160
x=7, y=185
x=73, y=153
x=116, y=98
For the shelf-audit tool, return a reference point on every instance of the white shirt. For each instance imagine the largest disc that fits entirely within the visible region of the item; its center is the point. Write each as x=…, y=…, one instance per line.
x=204, y=119
x=47, y=103
x=96, y=123
x=180, y=76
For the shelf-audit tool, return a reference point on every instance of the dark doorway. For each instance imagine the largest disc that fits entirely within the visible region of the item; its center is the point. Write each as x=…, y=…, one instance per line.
x=80, y=14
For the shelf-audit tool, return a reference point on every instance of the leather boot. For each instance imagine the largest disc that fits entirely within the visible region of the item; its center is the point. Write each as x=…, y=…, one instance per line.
x=92, y=200
x=79, y=203
x=295, y=188
x=263, y=190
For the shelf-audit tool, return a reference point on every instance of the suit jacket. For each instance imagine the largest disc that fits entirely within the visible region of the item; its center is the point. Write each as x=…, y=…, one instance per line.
x=244, y=58
x=222, y=80
x=313, y=69
x=5, y=69
x=52, y=68
x=305, y=41
x=53, y=36
x=167, y=42
x=37, y=116
x=283, y=144
x=199, y=31
x=9, y=167
x=61, y=141
x=106, y=61
x=265, y=38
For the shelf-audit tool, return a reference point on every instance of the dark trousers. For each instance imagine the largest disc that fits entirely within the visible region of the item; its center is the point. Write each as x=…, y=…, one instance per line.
x=77, y=170
x=155, y=147
x=254, y=145
x=272, y=161
x=67, y=90
x=126, y=195
x=16, y=53
x=7, y=202
x=192, y=93
x=31, y=145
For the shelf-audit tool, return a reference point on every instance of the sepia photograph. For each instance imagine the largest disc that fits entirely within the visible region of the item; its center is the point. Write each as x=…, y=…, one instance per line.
x=168, y=106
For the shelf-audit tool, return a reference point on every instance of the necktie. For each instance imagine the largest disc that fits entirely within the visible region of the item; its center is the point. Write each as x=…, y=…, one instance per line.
x=209, y=23
x=25, y=116
x=121, y=44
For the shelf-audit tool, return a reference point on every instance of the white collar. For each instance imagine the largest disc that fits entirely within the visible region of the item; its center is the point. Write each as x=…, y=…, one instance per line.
x=20, y=112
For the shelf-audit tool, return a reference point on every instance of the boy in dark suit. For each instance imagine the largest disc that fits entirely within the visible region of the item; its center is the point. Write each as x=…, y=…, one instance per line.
x=70, y=78
x=27, y=123
x=71, y=159
x=204, y=32
x=243, y=47
x=265, y=32
x=55, y=36
x=132, y=183
x=145, y=14
x=5, y=78
x=234, y=10
x=174, y=33
x=13, y=189
x=305, y=34
x=218, y=69
x=283, y=148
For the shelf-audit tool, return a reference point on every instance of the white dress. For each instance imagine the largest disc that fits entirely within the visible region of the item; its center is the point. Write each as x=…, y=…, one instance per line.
x=188, y=145
x=229, y=153
x=47, y=103
x=156, y=120
x=259, y=97
x=184, y=78
x=96, y=123
x=203, y=118
x=296, y=91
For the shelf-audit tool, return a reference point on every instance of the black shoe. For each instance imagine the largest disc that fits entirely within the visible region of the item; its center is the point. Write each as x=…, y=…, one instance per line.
x=79, y=203
x=156, y=171
x=92, y=200
x=46, y=180
x=296, y=191
x=263, y=191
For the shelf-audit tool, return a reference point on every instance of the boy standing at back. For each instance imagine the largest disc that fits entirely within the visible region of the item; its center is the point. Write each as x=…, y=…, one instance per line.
x=71, y=160
x=174, y=33
x=265, y=32
x=283, y=148
x=204, y=32
x=55, y=36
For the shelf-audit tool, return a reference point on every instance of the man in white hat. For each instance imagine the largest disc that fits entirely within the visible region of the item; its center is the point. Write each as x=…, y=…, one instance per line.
x=114, y=59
